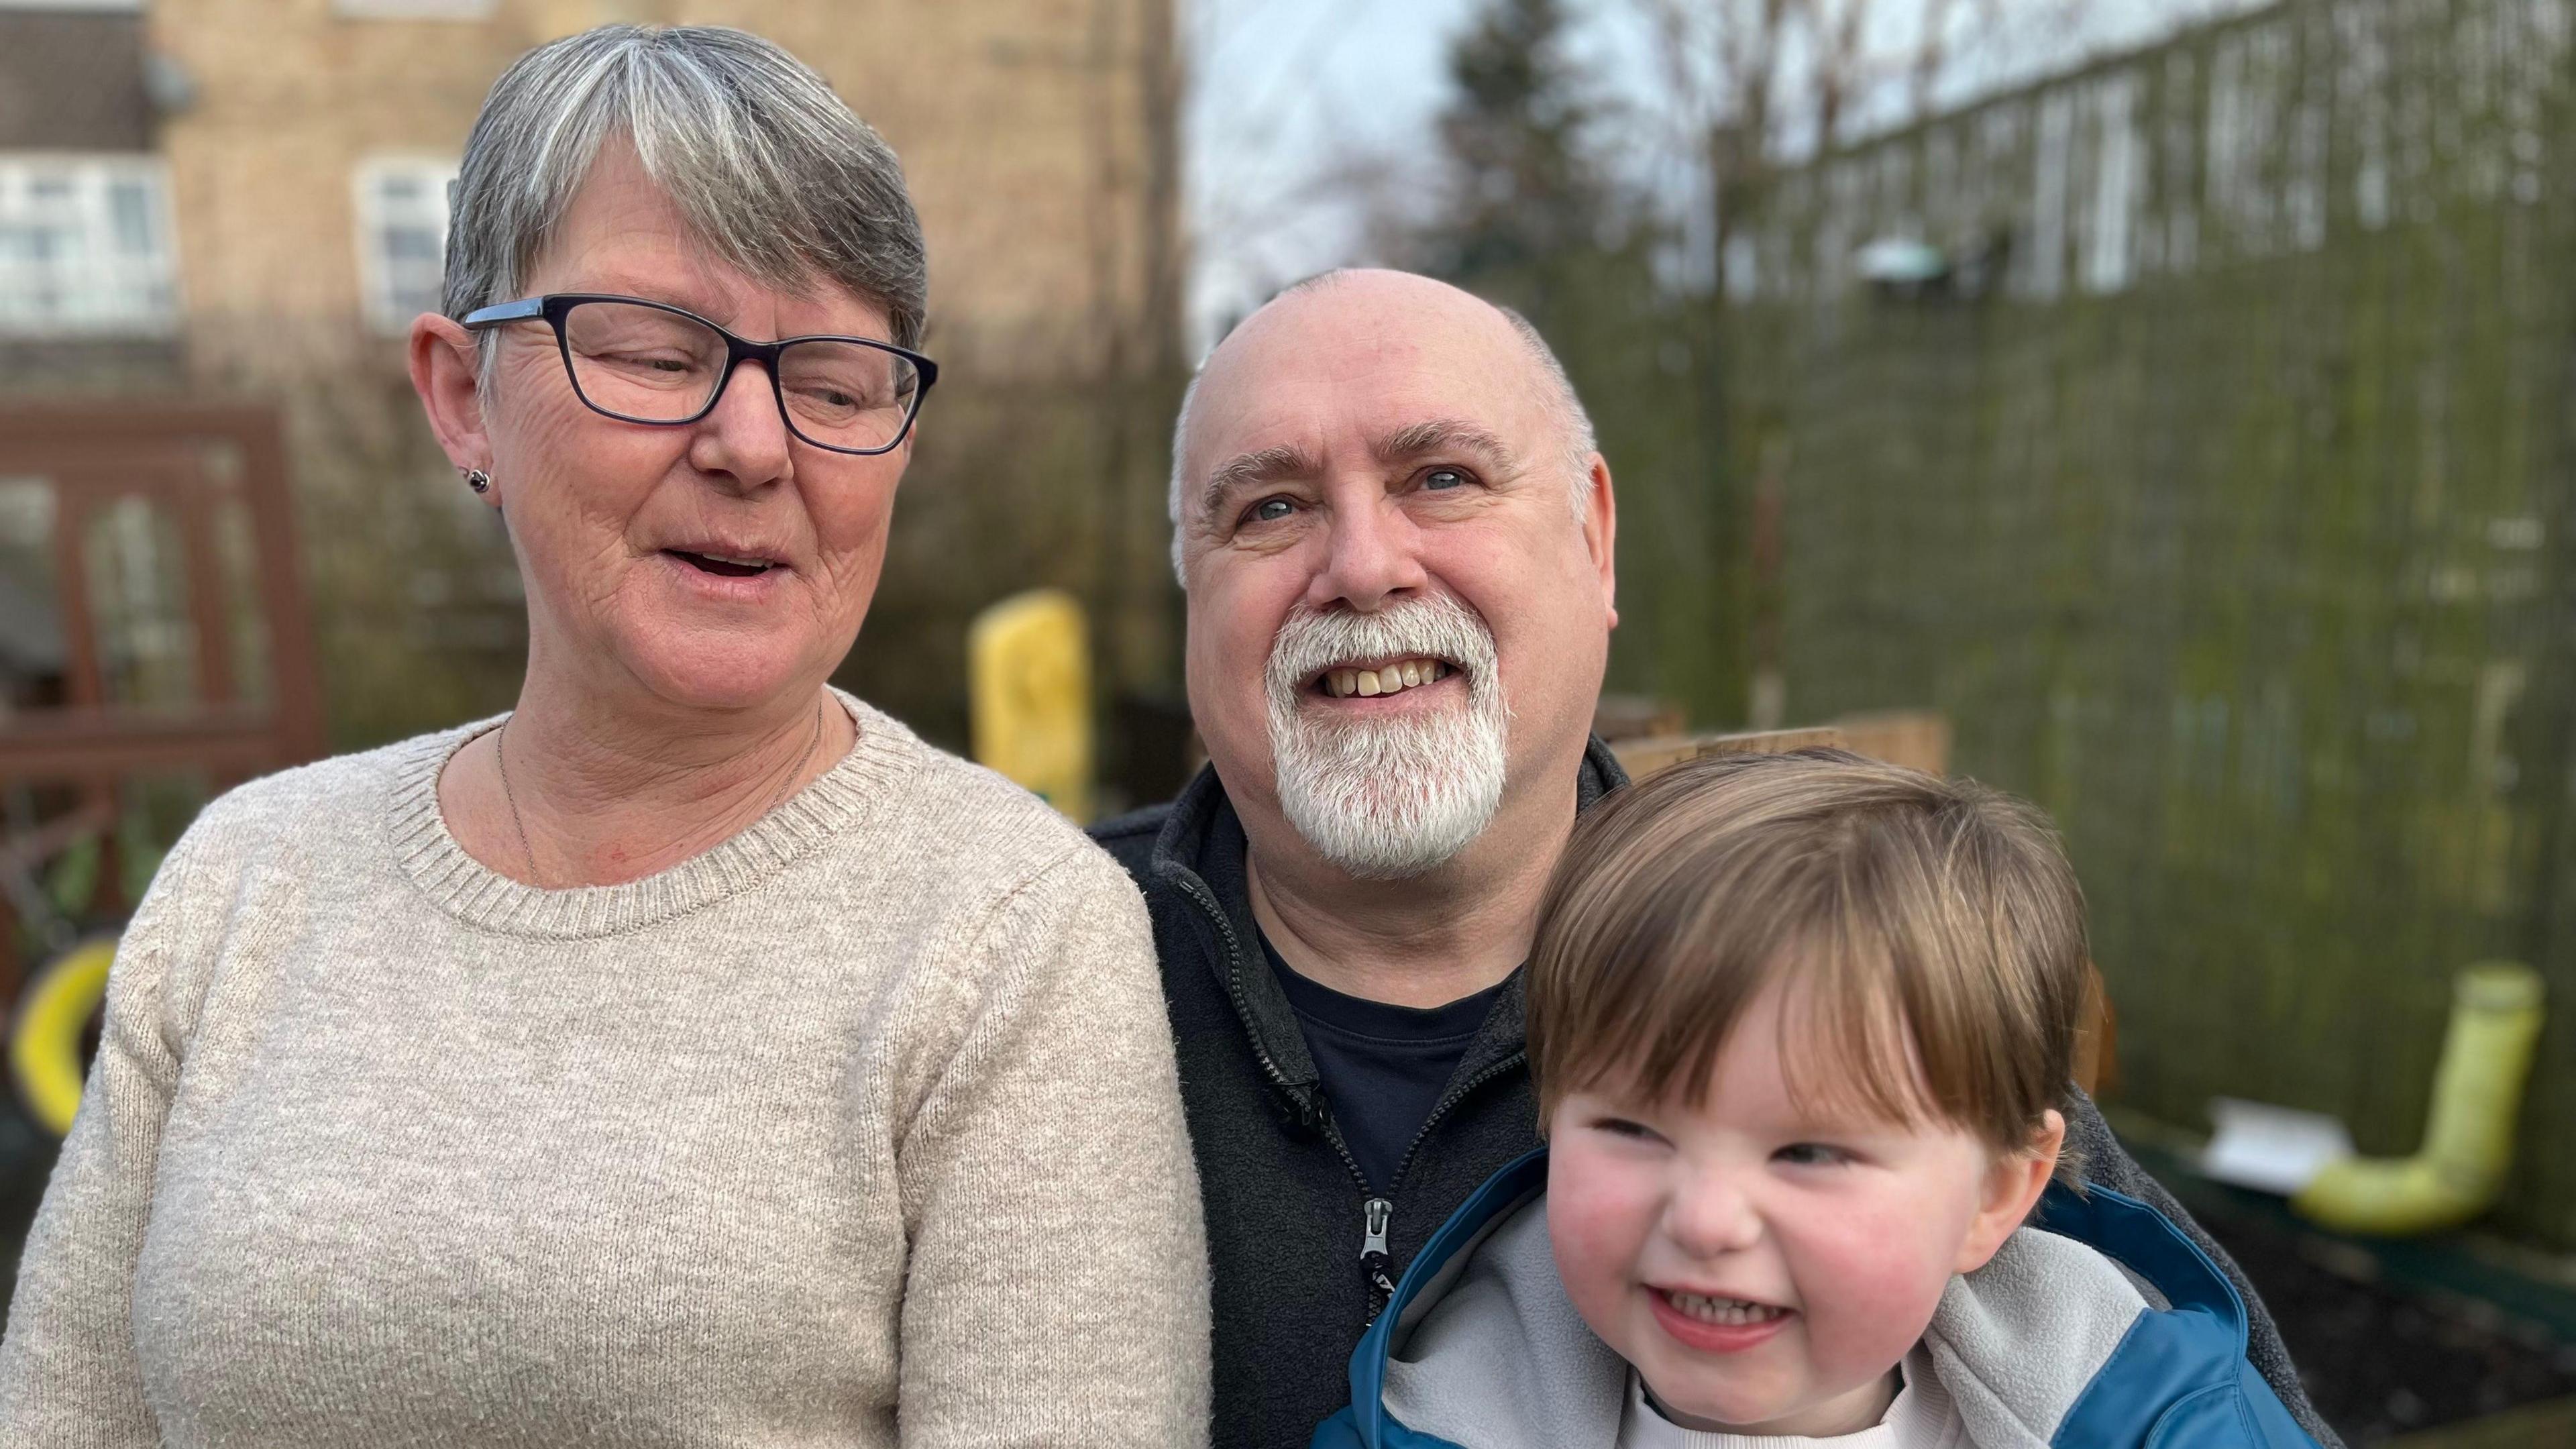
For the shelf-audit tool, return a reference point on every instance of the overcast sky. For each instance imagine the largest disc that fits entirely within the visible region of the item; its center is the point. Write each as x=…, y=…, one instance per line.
x=1283, y=92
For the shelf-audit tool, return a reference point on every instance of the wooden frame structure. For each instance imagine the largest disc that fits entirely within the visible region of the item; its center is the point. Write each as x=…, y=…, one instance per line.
x=95, y=454
x=188, y=460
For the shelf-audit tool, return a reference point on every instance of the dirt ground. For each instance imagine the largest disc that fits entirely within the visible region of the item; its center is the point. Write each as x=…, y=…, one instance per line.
x=2379, y=1359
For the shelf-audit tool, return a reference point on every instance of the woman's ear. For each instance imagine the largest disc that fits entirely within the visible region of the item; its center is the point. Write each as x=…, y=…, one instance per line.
x=446, y=371
x=2013, y=1186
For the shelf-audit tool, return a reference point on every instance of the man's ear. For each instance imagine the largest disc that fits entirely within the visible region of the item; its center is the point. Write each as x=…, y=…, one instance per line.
x=2013, y=1186
x=1601, y=533
x=446, y=371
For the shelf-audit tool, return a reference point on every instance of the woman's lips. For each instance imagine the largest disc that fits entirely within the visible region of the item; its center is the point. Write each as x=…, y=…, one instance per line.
x=723, y=565
x=722, y=578
x=1716, y=1337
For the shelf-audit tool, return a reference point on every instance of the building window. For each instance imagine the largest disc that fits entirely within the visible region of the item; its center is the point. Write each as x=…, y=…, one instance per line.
x=402, y=237
x=85, y=245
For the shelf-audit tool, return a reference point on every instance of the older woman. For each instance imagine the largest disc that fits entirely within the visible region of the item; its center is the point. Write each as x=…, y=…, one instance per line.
x=693, y=1056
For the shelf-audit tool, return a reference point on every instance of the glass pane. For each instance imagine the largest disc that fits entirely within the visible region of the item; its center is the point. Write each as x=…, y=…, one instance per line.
x=32, y=659
x=138, y=588
x=130, y=204
x=412, y=244
x=237, y=550
x=30, y=243
x=642, y=362
x=236, y=564
x=846, y=395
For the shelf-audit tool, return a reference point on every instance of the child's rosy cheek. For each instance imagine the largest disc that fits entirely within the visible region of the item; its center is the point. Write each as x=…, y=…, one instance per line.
x=1890, y=1278
x=1595, y=1247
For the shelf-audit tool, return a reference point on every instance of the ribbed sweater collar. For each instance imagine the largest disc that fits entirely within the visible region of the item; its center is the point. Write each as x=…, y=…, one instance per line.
x=839, y=800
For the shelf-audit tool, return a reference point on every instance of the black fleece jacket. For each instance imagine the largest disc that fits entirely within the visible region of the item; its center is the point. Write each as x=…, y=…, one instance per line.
x=1303, y=1246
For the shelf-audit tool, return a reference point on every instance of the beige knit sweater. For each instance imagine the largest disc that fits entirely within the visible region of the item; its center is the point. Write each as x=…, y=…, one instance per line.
x=859, y=1129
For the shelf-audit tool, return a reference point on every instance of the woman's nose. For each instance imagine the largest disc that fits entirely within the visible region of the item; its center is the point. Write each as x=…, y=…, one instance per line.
x=745, y=439
x=1373, y=552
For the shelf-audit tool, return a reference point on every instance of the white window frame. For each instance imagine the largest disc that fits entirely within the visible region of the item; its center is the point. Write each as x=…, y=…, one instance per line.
x=391, y=294
x=108, y=262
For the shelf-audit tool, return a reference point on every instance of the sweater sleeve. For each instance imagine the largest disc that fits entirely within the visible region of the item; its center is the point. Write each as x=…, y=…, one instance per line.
x=69, y=1375
x=1057, y=1291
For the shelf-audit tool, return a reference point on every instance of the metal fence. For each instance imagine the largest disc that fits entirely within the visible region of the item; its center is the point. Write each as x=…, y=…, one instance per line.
x=2204, y=451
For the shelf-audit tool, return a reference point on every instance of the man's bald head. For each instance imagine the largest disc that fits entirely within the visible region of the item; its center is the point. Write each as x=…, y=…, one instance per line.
x=1370, y=292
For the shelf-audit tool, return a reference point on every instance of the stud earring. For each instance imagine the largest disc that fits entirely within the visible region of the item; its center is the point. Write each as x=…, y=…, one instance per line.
x=478, y=480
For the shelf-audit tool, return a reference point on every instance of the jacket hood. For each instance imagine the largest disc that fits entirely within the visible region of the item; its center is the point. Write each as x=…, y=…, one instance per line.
x=2079, y=1331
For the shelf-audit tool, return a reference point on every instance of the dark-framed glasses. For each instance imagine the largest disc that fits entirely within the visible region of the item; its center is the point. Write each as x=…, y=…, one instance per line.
x=649, y=362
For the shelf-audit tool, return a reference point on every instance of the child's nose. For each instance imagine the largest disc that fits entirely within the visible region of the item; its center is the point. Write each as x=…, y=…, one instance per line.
x=1709, y=1216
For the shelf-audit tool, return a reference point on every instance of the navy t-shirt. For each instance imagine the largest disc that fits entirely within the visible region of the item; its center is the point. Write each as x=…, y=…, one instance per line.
x=1383, y=1067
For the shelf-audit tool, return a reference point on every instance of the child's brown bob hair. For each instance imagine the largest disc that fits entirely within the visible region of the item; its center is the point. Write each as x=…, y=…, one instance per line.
x=1927, y=920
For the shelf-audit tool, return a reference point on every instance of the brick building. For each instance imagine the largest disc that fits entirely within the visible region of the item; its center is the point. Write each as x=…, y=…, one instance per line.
x=168, y=168
x=247, y=198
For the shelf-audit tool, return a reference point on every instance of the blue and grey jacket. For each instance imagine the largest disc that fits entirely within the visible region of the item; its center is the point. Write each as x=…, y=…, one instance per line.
x=2100, y=1326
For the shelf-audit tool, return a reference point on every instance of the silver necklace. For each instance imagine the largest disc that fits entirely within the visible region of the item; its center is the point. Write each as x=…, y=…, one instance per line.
x=501, y=757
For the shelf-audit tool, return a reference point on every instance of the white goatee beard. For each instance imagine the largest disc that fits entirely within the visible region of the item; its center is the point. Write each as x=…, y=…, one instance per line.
x=1387, y=799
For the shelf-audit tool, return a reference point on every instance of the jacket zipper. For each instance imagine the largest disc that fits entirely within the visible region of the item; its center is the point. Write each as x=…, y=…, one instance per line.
x=1377, y=1215
x=1206, y=900
x=1377, y=1211
x=1450, y=1100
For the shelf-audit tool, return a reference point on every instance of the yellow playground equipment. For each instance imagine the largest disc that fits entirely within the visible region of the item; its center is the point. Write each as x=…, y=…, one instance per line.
x=1029, y=673
x=54, y=1013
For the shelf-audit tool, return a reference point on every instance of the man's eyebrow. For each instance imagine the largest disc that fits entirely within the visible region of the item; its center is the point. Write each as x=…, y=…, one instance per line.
x=1253, y=469
x=1440, y=435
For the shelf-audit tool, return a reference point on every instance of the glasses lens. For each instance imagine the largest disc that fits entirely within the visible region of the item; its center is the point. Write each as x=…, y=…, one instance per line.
x=642, y=362
x=847, y=394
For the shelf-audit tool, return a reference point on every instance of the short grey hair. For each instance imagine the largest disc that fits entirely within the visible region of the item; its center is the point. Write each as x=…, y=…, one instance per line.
x=1573, y=423
x=768, y=166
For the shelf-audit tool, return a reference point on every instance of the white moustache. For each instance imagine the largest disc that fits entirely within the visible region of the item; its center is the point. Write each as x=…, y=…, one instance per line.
x=1434, y=626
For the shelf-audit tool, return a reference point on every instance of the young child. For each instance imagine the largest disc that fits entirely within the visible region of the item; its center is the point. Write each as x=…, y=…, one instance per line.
x=1800, y=1026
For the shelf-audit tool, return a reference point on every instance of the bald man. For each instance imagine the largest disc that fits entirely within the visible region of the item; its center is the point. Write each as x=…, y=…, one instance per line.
x=1396, y=537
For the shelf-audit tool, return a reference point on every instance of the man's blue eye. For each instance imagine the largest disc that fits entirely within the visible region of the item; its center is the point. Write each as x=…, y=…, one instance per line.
x=1439, y=478
x=1271, y=510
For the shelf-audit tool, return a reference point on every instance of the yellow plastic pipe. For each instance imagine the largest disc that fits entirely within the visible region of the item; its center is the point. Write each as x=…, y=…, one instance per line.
x=2468, y=1137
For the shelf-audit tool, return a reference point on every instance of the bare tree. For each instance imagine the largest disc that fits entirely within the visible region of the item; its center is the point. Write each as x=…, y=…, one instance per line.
x=1753, y=85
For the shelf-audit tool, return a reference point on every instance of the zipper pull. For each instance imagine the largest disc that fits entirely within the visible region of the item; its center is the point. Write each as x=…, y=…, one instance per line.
x=1379, y=1213
x=1375, y=1216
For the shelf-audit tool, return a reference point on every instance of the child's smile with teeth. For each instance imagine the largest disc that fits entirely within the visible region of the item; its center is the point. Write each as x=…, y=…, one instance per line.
x=1733, y=1312
x=1760, y=1259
